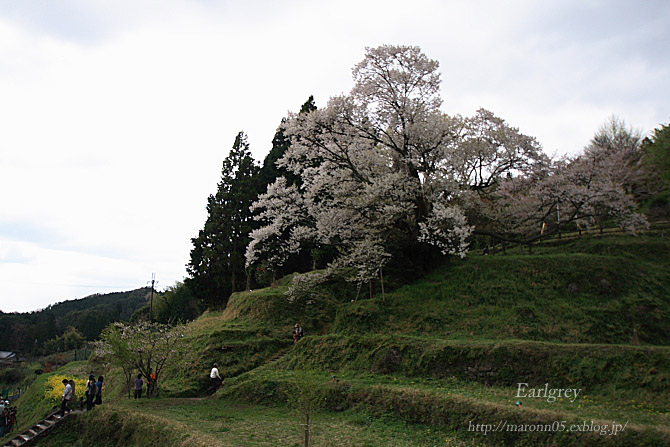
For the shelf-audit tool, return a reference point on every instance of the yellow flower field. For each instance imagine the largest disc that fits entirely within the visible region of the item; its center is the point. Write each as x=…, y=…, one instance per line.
x=53, y=389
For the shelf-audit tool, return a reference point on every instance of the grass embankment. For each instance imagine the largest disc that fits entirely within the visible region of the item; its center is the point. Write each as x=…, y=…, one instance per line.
x=236, y=347
x=633, y=372
x=593, y=290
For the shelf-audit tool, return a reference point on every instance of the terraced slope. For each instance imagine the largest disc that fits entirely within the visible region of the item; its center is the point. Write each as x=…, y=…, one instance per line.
x=438, y=361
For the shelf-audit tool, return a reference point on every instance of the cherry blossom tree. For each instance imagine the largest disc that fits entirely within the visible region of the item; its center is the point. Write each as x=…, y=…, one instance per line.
x=145, y=347
x=490, y=149
x=384, y=171
x=287, y=223
x=581, y=191
x=367, y=160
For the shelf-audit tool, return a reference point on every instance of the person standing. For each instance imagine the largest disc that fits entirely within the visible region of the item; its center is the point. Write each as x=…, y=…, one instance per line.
x=297, y=333
x=152, y=386
x=98, y=392
x=138, y=386
x=74, y=388
x=4, y=422
x=214, y=378
x=67, y=396
x=12, y=418
x=90, y=392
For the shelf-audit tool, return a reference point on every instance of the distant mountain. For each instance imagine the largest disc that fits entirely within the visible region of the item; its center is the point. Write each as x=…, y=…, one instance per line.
x=90, y=315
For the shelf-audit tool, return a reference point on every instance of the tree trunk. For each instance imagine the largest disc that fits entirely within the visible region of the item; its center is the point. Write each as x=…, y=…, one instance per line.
x=309, y=421
x=381, y=276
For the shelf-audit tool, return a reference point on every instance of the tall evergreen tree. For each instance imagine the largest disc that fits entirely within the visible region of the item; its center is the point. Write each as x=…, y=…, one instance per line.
x=280, y=144
x=657, y=154
x=217, y=261
x=308, y=106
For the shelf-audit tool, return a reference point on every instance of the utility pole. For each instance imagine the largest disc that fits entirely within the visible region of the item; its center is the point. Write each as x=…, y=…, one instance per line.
x=151, y=303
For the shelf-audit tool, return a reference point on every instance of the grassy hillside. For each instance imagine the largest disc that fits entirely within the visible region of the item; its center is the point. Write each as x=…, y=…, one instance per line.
x=430, y=359
x=592, y=290
x=572, y=314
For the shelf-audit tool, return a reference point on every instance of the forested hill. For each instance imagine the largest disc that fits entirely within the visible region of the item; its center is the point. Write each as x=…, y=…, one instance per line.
x=18, y=331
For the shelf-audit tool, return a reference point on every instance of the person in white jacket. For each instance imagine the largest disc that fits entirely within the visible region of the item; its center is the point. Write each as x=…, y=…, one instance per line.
x=67, y=397
x=214, y=378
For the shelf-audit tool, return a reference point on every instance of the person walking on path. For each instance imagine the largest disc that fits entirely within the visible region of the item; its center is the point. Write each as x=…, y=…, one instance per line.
x=90, y=392
x=98, y=392
x=138, y=386
x=214, y=378
x=67, y=396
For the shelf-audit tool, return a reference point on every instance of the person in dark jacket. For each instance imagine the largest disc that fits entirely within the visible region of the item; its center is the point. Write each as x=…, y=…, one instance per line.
x=4, y=422
x=98, y=391
x=297, y=333
x=90, y=392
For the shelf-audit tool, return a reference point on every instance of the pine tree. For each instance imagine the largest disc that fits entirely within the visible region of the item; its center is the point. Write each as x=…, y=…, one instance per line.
x=217, y=261
x=280, y=144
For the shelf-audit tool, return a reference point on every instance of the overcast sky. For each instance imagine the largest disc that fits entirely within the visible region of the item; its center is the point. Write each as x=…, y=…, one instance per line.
x=115, y=116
